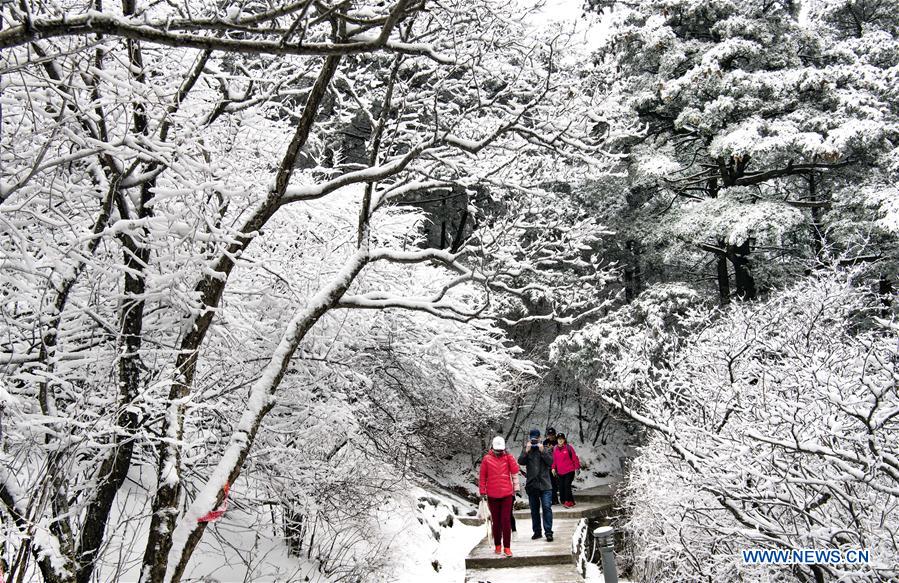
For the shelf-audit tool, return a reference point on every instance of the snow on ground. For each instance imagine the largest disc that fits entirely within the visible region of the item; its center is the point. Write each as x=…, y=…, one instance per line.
x=429, y=544
x=422, y=538
x=600, y=462
x=425, y=542
x=594, y=575
x=240, y=547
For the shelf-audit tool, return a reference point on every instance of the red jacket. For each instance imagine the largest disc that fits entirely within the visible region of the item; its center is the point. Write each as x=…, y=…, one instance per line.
x=499, y=475
x=565, y=460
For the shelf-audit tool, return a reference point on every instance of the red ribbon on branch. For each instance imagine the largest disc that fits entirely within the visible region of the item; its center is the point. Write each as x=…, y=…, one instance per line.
x=214, y=515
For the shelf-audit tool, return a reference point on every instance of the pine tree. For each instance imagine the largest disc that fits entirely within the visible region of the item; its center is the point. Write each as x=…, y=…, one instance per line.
x=759, y=119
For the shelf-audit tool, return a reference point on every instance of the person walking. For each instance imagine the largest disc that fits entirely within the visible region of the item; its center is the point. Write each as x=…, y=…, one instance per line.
x=498, y=485
x=538, y=460
x=565, y=464
x=550, y=441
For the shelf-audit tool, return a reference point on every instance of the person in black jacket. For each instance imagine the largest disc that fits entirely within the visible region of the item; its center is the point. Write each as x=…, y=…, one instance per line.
x=537, y=459
x=551, y=441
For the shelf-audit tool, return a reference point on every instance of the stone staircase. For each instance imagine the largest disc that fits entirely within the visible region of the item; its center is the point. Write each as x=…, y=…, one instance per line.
x=539, y=561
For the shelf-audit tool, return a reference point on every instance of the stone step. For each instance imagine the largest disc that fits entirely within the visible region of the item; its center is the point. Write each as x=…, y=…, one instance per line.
x=601, y=491
x=600, y=502
x=470, y=520
x=527, y=552
x=582, y=510
x=518, y=561
x=591, y=499
x=534, y=574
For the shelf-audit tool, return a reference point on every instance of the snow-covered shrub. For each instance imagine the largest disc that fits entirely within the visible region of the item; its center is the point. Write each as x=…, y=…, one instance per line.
x=622, y=350
x=775, y=427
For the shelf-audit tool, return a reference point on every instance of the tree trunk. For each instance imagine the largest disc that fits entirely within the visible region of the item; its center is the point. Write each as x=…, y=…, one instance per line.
x=723, y=277
x=260, y=401
x=629, y=294
x=580, y=414
x=443, y=225
x=599, y=427
x=632, y=275
x=169, y=489
x=61, y=527
x=743, y=280
x=114, y=468
x=549, y=406
x=638, y=272
x=816, y=225
x=885, y=289
x=460, y=231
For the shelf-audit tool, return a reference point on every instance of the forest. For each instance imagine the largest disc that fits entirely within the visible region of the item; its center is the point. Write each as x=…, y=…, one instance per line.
x=273, y=274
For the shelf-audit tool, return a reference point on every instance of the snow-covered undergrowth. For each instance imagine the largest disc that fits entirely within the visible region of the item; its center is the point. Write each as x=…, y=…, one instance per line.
x=427, y=543
x=411, y=535
x=246, y=544
x=768, y=425
x=783, y=435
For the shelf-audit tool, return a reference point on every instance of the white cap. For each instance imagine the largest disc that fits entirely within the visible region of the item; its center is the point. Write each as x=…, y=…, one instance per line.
x=499, y=443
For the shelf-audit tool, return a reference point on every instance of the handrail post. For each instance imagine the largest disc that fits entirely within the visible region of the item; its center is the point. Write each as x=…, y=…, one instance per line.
x=605, y=538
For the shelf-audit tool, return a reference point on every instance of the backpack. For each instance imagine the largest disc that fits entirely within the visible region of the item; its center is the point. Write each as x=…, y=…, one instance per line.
x=577, y=464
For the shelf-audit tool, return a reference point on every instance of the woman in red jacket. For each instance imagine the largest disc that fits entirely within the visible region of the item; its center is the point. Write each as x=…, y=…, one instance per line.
x=498, y=484
x=565, y=464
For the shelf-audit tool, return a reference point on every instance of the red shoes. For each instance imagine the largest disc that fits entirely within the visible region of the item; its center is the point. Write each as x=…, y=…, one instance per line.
x=508, y=551
x=498, y=550
x=568, y=504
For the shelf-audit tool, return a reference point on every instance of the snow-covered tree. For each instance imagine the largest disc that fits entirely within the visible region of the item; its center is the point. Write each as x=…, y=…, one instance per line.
x=159, y=233
x=625, y=350
x=761, y=122
x=772, y=427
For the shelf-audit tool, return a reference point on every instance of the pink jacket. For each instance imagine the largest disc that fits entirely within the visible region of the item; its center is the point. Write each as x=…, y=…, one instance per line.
x=565, y=460
x=499, y=475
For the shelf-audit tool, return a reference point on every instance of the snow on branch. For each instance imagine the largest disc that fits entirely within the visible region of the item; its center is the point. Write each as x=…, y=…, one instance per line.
x=161, y=34
x=371, y=174
x=444, y=310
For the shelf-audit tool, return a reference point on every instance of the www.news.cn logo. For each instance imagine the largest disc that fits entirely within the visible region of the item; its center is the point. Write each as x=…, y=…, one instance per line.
x=804, y=556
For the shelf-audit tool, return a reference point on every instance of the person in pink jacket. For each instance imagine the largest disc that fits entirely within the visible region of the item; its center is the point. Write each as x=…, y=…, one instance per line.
x=565, y=464
x=498, y=484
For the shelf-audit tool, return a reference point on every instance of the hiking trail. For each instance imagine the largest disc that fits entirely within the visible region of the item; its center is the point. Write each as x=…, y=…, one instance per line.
x=539, y=561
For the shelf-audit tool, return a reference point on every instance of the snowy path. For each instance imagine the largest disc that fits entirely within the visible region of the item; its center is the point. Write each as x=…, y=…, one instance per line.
x=539, y=560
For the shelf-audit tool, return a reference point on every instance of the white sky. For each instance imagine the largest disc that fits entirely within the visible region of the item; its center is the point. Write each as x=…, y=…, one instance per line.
x=587, y=30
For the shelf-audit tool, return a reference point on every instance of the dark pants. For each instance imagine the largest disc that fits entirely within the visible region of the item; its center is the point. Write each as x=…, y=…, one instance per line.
x=501, y=519
x=565, y=493
x=555, y=482
x=541, y=500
